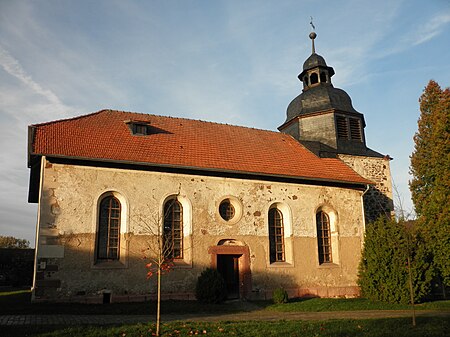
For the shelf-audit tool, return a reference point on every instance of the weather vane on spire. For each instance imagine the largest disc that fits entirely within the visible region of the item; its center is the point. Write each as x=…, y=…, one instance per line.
x=312, y=35
x=312, y=24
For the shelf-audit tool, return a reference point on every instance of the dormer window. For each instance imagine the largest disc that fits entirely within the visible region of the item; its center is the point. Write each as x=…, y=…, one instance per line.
x=139, y=128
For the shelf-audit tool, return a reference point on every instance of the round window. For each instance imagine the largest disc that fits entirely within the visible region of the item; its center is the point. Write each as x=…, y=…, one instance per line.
x=226, y=210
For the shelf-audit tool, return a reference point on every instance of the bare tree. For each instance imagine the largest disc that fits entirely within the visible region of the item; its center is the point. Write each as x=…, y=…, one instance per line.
x=162, y=246
x=400, y=212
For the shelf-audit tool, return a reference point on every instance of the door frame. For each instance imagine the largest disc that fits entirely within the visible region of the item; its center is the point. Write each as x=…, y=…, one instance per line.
x=245, y=279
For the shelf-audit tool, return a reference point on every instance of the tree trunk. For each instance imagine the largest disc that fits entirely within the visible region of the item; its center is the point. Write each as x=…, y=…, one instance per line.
x=411, y=291
x=158, y=302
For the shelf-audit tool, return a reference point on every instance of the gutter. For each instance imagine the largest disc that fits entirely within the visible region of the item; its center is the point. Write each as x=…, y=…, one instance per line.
x=38, y=226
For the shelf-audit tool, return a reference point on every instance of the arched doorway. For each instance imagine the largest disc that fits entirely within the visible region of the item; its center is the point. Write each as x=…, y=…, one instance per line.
x=228, y=267
x=232, y=259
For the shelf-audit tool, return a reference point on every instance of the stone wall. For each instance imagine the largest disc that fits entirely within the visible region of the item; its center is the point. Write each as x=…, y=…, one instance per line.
x=378, y=199
x=66, y=267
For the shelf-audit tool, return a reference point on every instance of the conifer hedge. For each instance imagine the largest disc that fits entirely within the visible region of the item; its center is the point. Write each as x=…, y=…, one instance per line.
x=383, y=271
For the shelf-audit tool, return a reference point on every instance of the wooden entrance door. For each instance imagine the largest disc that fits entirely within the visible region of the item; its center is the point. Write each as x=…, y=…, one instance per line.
x=228, y=267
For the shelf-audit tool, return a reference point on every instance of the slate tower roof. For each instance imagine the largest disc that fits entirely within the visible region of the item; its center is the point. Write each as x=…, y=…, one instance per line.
x=322, y=117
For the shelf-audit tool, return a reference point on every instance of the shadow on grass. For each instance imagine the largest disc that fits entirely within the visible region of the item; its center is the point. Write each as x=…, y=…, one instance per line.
x=19, y=303
x=399, y=327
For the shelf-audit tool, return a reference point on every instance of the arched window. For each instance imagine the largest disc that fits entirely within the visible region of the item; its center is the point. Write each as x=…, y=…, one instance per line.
x=323, y=237
x=323, y=77
x=173, y=230
x=108, y=235
x=276, y=236
x=314, y=78
x=305, y=80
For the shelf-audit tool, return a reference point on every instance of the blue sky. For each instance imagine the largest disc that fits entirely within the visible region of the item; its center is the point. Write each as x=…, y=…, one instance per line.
x=226, y=61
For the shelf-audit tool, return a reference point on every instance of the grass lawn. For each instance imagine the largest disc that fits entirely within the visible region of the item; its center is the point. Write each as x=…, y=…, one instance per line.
x=18, y=302
x=401, y=327
x=351, y=304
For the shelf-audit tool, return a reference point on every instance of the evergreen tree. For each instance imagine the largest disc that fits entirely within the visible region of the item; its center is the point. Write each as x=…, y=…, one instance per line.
x=430, y=168
x=384, y=268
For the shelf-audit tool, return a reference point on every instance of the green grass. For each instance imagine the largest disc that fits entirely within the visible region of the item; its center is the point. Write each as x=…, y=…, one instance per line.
x=18, y=302
x=351, y=304
x=15, y=292
x=399, y=327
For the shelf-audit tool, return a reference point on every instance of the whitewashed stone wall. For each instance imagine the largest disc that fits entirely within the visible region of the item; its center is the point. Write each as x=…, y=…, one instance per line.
x=67, y=269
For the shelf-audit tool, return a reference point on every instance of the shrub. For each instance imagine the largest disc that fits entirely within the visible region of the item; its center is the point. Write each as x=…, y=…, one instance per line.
x=383, y=271
x=280, y=296
x=210, y=287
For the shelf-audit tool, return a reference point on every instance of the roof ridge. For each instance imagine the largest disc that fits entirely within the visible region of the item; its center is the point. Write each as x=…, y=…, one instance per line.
x=189, y=119
x=155, y=115
x=70, y=118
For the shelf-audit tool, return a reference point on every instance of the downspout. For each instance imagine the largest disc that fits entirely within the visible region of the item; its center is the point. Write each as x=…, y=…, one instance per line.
x=363, y=214
x=38, y=225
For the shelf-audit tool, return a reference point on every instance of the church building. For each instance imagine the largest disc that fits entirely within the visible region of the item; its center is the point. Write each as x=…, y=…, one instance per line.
x=267, y=209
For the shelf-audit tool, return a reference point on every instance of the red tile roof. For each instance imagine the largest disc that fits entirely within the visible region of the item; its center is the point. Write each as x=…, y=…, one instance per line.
x=186, y=143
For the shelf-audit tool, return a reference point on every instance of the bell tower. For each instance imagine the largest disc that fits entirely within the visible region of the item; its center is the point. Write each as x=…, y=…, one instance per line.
x=323, y=119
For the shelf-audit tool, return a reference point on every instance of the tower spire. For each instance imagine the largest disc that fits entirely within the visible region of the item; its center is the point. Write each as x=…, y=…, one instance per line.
x=313, y=35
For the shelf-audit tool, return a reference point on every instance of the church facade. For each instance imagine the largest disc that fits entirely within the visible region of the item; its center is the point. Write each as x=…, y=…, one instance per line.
x=267, y=209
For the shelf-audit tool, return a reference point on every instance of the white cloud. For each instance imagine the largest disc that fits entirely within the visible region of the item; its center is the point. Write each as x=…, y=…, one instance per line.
x=12, y=67
x=22, y=101
x=431, y=29
x=419, y=32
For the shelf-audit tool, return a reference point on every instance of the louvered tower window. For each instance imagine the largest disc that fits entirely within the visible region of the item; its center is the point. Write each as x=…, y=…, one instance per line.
x=348, y=128
x=342, y=128
x=355, y=129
